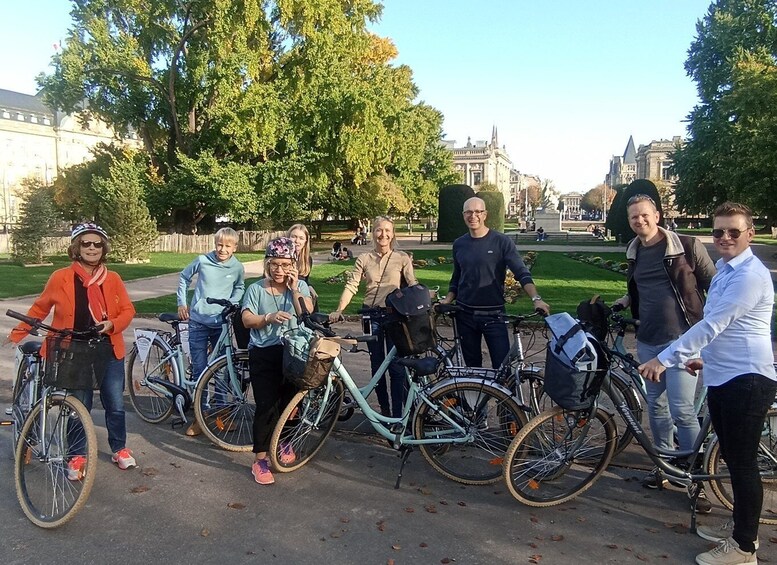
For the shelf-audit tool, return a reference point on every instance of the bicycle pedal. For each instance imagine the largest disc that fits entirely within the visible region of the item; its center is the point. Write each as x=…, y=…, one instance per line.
x=178, y=423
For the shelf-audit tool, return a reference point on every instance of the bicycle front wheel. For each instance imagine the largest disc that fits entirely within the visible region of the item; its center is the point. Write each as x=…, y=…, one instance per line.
x=767, y=465
x=224, y=403
x=559, y=455
x=49, y=492
x=469, y=426
x=304, y=426
x=152, y=402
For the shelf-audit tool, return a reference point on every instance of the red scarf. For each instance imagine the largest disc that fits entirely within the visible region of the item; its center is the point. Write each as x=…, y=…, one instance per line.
x=97, y=306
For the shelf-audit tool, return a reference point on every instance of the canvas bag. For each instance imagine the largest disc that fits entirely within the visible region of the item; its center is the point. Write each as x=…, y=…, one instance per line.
x=409, y=324
x=307, y=358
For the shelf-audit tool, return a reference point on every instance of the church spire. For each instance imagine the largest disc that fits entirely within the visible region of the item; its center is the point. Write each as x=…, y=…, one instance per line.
x=494, y=138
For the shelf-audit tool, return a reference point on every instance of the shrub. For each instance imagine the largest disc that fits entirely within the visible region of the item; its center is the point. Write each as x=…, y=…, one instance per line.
x=38, y=219
x=495, y=204
x=451, y=202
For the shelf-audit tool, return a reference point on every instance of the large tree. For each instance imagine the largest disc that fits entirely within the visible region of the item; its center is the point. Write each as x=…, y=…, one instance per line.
x=731, y=152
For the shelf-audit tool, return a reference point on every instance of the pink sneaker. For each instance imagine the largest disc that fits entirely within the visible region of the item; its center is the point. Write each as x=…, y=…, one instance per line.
x=124, y=459
x=287, y=454
x=76, y=468
x=261, y=472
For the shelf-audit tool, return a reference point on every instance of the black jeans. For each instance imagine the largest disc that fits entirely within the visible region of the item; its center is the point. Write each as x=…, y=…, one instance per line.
x=399, y=386
x=271, y=392
x=738, y=409
x=473, y=326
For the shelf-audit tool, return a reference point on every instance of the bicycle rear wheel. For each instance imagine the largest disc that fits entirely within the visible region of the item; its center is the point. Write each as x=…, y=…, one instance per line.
x=22, y=396
x=224, y=406
x=304, y=425
x=558, y=455
x=482, y=417
x=152, y=404
x=767, y=464
x=46, y=494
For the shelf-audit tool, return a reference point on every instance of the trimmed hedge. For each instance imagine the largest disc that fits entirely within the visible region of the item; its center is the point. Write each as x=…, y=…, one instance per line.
x=618, y=221
x=495, y=204
x=451, y=202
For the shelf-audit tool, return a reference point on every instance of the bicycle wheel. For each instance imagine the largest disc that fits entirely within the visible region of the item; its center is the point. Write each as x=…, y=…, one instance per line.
x=224, y=407
x=304, y=425
x=23, y=395
x=482, y=417
x=152, y=403
x=558, y=455
x=767, y=464
x=46, y=495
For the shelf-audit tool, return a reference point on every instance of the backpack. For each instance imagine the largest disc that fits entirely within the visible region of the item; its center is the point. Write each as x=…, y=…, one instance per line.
x=572, y=364
x=409, y=324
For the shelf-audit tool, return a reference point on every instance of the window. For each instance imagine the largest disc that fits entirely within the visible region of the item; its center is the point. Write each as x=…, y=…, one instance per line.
x=477, y=178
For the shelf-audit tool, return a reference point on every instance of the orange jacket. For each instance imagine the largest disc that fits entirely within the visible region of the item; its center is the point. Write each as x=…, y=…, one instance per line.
x=60, y=295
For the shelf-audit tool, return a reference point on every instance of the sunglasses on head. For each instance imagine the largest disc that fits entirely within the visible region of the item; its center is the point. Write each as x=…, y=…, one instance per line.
x=95, y=244
x=733, y=233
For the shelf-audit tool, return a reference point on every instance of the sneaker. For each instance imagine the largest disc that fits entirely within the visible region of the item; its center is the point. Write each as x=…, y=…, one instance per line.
x=654, y=479
x=703, y=505
x=76, y=468
x=726, y=553
x=124, y=459
x=193, y=430
x=719, y=533
x=261, y=472
x=287, y=454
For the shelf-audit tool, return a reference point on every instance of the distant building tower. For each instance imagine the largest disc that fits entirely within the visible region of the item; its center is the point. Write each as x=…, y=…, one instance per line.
x=623, y=169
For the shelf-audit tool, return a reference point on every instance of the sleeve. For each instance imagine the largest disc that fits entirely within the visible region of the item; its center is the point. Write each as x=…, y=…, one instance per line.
x=40, y=308
x=453, y=286
x=353, y=278
x=126, y=308
x=240, y=286
x=251, y=298
x=185, y=279
x=408, y=272
x=705, y=268
x=515, y=263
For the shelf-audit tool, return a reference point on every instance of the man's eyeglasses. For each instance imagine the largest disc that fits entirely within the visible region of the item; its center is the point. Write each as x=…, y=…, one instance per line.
x=468, y=213
x=733, y=233
x=95, y=244
x=283, y=266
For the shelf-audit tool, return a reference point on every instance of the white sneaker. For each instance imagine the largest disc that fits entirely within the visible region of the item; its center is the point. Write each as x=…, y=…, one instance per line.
x=719, y=533
x=124, y=459
x=727, y=553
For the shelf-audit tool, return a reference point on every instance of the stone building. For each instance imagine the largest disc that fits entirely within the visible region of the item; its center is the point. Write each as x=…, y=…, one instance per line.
x=623, y=169
x=654, y=160
x=521, y=186
x=36, y=142
x=571, y=208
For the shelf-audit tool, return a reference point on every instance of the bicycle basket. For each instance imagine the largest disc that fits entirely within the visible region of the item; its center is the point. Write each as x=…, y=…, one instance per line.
x=76, y=364
x=307, y=359
x=409, y=324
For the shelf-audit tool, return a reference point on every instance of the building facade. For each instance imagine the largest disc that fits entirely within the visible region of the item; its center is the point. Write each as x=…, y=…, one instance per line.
x=654, y=160
x=522, y=187
x=623, y=168
x=571, y=206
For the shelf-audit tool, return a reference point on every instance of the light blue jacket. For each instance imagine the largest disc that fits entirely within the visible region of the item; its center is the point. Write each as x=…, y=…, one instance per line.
x=214, y=280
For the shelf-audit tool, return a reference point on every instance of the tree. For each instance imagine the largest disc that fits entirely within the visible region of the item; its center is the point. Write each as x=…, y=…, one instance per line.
x=731, y=153
x=594, y=199
x=38, y=219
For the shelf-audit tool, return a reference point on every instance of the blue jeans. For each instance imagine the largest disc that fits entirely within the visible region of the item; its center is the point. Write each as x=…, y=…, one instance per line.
x=201, y=338
x=738, y=409
x=670, y=402
x=112, y=399
x=475, y=326
x=397, y=374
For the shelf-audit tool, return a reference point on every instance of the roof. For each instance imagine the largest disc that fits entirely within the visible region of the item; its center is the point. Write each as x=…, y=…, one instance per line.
x=630, y=155
x=11, y=100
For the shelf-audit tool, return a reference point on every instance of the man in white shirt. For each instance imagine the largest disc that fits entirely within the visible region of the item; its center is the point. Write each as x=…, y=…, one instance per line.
x=736, y=351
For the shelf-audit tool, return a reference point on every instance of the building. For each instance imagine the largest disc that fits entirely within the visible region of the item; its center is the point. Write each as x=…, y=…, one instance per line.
x=571, y=208
x=623, y=169
x=654, y=160
x=36, y=142
x=522, y=186
x=483, y=163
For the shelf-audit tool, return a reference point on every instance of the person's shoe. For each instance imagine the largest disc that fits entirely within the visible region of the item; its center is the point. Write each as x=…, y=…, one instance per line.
x=287, y=454
x=703, y=505
x=193, y=430
x=124, y=459
x=726, y=553
x=654, y=479
x=719, y=532
x=261, y=472
x=76, y=468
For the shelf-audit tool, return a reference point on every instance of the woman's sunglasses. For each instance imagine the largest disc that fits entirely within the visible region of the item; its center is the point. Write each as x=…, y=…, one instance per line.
x=95, y=244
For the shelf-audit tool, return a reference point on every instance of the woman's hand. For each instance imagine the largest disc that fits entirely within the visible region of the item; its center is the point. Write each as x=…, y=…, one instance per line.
x=277, y=317
x=335, y=316
x=292, y=278
x=106, y=327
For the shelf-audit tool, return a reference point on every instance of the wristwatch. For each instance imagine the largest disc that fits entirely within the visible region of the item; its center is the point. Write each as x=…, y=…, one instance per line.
x=536, y=298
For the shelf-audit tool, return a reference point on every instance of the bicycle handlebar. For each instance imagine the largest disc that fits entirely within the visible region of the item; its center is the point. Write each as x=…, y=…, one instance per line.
x=623, y=321
x=37, y=324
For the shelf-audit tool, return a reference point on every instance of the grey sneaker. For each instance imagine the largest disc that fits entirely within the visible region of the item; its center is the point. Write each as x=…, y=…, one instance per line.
x=654, y=479
x=718, y=533
x=726, y=553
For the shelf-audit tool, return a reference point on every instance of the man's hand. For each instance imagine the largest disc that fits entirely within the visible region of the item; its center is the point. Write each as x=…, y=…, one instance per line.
x=652, y=370
x=693, y=366
x=543, y=306
x=183, y=313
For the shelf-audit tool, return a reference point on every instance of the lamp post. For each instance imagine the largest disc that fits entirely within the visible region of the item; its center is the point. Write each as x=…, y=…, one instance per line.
x=604, y=202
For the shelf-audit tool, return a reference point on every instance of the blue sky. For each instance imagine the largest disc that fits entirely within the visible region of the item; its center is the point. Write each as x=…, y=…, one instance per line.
x=565, y=82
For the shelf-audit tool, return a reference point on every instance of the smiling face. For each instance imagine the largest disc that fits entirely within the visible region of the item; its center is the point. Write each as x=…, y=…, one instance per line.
x=299, y=238
x=225, y=248
x=728, y=246
x=475, y=214
x=91, y=249
x=383, y=235
x=643, y=219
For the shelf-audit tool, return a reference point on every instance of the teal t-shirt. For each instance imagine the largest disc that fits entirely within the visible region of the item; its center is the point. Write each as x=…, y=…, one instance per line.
x=259, y=301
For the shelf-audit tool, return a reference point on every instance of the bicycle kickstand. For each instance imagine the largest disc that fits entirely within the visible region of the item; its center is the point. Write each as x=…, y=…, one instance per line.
x=180, y=406
x=405, y=451
x=694, y=489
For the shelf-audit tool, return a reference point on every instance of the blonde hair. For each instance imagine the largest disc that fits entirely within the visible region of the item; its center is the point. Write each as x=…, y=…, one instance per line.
x=375, y=222
x=227, y=233
x=303, y=255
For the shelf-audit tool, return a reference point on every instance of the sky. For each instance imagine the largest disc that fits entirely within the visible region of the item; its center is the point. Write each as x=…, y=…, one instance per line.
x=565, y=82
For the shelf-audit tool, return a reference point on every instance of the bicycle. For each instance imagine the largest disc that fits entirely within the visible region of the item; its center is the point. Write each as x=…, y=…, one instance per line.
x=561, y=453
x=158, y=382
x=51, y=427
x=461, y=425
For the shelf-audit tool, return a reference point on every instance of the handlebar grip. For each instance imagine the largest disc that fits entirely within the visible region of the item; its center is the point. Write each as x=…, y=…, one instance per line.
x=23, y=318
x=617, y=307
x=220, y=301
x=445, y=308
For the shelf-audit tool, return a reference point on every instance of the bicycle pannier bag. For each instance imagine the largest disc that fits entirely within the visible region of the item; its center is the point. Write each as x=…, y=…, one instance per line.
x=76, y=364
x=307, y=359
x=594, y=314
x=570, y=363
x=409, y=324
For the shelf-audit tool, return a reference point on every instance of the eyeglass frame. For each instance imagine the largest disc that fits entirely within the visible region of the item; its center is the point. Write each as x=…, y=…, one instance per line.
x=474, y=212
x=284, y=266
x=728, y=231
x=96, y=244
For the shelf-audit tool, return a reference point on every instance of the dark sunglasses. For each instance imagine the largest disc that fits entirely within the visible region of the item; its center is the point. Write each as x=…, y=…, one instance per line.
x=95, y=244
x=733, y=233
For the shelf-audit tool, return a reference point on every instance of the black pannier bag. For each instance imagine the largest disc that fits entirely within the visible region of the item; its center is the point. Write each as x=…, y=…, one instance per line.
x=594, y=314
x=409, y=324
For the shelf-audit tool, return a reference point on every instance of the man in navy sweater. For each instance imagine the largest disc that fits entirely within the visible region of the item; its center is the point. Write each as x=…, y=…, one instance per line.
x=480, y=262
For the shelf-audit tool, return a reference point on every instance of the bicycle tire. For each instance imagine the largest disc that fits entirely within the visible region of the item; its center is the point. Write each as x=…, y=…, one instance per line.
x=46, y=496
x=305, y=424
x=538, y=469
x=226, y=414
x=490, y=416
x=21, y=397
x=767, y=462
x=150, y=405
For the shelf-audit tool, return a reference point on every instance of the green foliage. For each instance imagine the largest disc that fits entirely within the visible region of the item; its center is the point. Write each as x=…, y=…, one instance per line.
x=618, y=221
x=37, y=220
x=451, y=202
x=495, y=204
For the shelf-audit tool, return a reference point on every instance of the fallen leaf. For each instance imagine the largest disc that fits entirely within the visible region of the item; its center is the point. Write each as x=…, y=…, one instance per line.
x=641, y=557
x=149, y=471
x=335, y=534
x=139, y=488
x=390, y=562
x=557, y=537
x=409, y=510
x=381, y=526
x=462, y=503
x=535, y=558
x=445, y=560
x=431, y=508
x=396, y=547
x=612, y=546
x=444, y=502
x=422, y=544
x=345, y=520
x=176, y=465
x=534, y=519
x=652, y=530
x=236, y=505
x=204, y=532
x=532, y=545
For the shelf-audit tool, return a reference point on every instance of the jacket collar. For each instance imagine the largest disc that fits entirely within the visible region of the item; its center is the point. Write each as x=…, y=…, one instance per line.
x=673, y=245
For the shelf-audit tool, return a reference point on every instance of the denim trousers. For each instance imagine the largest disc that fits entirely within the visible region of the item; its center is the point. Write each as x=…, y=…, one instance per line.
x=670, y=402
x=475, y=326
x=201, y=339
x=112, y=399
x=738, y=409
x=399, y=386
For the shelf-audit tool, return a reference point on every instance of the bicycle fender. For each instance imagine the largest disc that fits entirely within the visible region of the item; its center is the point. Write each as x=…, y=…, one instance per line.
x=488, y=382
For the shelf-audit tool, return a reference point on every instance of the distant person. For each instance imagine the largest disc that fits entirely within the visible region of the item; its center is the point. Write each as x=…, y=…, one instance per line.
x=540, y=234
x=300, y=235
x=219, y=275
x=480, y=262
x=335, y=253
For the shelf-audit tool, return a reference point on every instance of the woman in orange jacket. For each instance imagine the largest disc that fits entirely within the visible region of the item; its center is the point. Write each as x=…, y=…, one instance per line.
x=84, y=295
